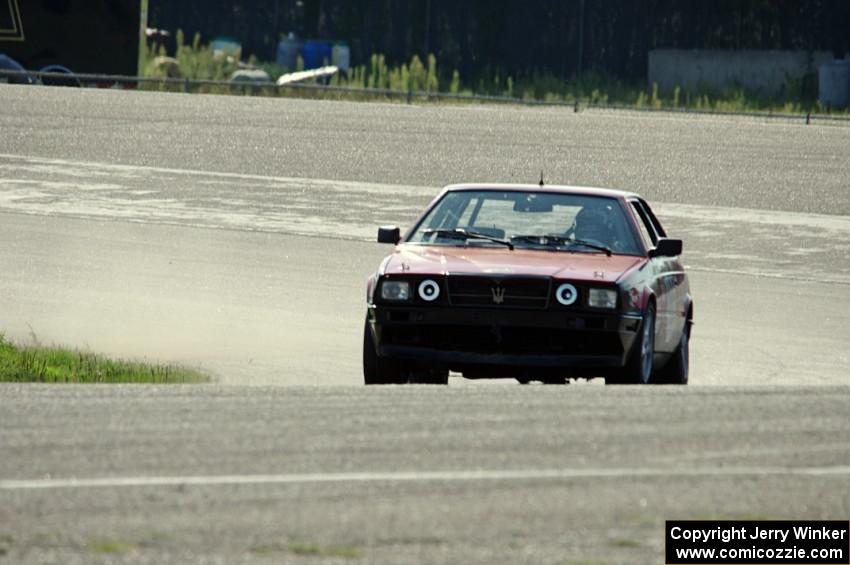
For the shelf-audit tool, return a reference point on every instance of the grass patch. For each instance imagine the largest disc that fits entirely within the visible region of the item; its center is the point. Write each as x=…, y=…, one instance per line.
x=316, y=550
x=748, y=517
x=156, y=538
x=62, y=365
x=5, y=543
x=112, y=546
x=643, y=519
x=267, y=549
x=624, y=542
x=43, y=537
x=309, y=550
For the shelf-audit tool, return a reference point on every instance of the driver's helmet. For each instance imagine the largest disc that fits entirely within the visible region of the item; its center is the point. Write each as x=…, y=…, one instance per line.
x=594, y=223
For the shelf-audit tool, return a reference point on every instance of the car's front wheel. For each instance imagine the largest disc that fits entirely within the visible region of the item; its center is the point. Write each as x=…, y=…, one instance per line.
x=638, y=370
x=675, y=372
x=383, y=371
x=377, y=370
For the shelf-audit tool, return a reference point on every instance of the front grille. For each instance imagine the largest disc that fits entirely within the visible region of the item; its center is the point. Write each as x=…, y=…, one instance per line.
x=510, y=292
x=504, y=340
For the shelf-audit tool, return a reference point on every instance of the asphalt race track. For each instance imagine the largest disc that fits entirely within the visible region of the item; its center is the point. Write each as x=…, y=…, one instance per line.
x=233, y=234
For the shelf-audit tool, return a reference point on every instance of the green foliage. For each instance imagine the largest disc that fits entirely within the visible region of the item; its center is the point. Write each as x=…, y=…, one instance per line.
x=316, y=550
x=591, y=88
x=654, y=101
x=58, y=365
x=433, y=85
x=198, y=62
x=418, y=75
x=273, y=69
x=454, y=87
x=112, y=546
x=624, y=542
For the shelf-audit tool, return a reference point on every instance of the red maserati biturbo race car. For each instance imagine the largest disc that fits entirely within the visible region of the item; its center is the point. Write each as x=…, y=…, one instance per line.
x=529, y=282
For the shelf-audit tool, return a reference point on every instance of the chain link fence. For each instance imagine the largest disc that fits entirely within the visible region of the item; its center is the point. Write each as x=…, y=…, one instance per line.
x=327, y=91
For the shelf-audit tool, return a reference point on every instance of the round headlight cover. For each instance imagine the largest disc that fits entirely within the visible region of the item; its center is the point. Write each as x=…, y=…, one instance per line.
x=429, y=290
x=566, y=294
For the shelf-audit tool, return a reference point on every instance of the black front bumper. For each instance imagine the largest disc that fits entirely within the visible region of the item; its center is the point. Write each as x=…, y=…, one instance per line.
x=465, y=338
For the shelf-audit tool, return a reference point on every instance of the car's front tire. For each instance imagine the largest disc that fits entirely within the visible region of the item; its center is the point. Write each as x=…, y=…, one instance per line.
x=377, y=370
x=675, y=372
x=638, y=369
x=384, y=371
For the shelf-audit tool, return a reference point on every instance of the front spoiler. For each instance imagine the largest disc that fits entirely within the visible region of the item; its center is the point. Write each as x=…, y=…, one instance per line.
x=626, y=327
x=459, y=358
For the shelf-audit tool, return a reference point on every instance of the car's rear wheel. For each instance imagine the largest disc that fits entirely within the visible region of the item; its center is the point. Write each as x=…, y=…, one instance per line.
x=638, y=369
x=675, y=372
x=379, y=370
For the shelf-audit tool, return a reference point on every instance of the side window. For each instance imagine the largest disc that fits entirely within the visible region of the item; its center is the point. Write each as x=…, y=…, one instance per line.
x=646, y=229
x=650, y=216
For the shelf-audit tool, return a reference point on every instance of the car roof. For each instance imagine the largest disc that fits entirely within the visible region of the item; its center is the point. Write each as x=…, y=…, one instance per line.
x=554, y=188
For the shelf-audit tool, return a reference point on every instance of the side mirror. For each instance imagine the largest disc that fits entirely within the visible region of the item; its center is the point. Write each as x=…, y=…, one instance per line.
x=667, y=247
x=389, y=234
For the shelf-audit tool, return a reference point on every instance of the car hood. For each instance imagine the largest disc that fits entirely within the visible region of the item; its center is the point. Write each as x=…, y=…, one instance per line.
x=442, y=260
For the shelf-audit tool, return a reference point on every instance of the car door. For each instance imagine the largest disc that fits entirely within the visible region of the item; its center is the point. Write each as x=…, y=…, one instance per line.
x=667, y=283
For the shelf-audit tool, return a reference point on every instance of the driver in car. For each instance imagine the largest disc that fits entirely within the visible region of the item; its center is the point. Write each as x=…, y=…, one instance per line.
x=593, y=224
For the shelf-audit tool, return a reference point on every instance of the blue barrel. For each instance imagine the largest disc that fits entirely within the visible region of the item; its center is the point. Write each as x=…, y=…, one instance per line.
x=317, y=53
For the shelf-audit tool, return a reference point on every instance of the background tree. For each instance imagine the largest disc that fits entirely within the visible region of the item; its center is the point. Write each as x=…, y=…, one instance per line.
x=515, y=37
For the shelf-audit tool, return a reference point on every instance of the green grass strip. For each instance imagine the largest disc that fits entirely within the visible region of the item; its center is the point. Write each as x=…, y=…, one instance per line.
x=62, y=365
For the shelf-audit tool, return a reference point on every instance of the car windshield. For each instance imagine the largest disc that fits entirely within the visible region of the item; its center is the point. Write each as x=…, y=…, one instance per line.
x=539, y=220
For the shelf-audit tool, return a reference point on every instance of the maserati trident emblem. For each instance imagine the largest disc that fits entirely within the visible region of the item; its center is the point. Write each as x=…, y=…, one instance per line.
x=498, y=294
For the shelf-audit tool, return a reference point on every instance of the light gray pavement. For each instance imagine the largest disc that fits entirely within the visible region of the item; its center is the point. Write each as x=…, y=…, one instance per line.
x=354, y=470
x=692, y=159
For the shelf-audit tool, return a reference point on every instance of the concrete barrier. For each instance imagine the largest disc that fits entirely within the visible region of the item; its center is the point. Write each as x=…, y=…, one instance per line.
x=768, y=73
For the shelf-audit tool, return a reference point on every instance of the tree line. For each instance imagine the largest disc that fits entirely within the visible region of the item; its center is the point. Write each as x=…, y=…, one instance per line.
x=560, y=37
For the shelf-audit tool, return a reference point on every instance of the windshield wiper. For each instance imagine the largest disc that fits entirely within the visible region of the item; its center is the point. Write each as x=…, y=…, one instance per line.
x=603, y=248
x=549, y=239
x=462, y=233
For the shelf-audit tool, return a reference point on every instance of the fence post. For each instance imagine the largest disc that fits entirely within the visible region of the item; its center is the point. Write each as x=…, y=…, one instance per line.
x=409, y=96
x=186, y=85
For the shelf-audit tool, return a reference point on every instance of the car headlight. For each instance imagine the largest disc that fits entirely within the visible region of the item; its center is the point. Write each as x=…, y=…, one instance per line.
x=395, y=290
x=602, y=298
